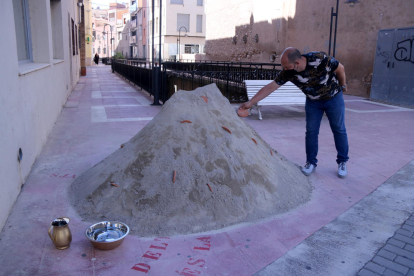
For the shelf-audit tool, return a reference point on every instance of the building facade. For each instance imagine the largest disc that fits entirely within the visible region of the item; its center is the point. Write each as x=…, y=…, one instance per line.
x=185, y=31
x=123, y=34
x=133, y=28
x=99, y=40
x=183, y=28
x=88, y=32
x=40, y=68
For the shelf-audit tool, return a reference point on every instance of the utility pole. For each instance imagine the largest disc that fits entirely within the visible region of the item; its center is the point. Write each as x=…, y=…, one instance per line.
x=155, y=70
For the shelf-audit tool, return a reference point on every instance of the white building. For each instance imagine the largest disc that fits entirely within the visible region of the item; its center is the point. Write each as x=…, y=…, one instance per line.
x=40, y=67
x=183, y=28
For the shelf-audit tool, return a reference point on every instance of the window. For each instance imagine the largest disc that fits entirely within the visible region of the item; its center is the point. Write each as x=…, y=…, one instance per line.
x=124, y=20
x=140, y=29
x=199, y=23
x=99, y=50
x=183, y=20
x=76, y=38
x=177, y=2
x=73, y=38
x=56, y=20
x=144, y=13
x=94, y=33
x=119, y=35
x=104, y=51
x=112, y=17
x=22, y=28
x=199, y=2
x=191, y=49
x=93, y=25
x=156, y=26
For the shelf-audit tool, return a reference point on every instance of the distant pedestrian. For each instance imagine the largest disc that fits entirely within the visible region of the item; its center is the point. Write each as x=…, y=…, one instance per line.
x=322, y=79
x=96, y=58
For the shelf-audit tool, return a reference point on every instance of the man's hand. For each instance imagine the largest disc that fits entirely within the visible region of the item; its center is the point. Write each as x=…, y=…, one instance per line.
x=246, y=105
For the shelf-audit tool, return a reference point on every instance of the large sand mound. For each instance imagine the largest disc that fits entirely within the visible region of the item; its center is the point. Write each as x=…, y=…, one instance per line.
x=248, y=181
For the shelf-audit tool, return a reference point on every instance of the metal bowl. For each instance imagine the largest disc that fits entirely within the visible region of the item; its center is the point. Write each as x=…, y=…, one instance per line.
x=107, y=235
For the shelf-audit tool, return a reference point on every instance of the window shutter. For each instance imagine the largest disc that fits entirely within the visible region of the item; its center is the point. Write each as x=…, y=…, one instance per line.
x=199, y=23
x=183, y=20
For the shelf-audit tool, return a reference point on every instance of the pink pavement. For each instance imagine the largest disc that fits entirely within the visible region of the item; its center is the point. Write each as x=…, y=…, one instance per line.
x=104, y=111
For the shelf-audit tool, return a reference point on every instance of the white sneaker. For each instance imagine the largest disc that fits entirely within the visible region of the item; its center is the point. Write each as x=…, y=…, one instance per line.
x=308, y=169
x=342, y=172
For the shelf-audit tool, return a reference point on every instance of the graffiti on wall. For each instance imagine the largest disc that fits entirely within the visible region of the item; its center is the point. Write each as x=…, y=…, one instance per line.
x=405, y=50
x=382, y=55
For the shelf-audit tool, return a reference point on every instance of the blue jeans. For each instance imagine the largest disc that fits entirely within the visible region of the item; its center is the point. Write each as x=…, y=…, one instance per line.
x=335, y=111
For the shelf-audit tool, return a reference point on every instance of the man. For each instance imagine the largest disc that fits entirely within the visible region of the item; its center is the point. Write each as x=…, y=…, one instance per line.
x=96, y=58
x=322, y=79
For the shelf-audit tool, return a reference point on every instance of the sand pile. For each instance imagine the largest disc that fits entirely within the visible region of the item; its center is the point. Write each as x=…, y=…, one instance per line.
x=247, y=180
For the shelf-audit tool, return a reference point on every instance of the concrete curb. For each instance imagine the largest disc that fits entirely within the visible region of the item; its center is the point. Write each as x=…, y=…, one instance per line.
x=345, y=245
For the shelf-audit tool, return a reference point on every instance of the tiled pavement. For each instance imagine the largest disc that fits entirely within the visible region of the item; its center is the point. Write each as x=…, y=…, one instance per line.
x=396, y=257
x=104, y=111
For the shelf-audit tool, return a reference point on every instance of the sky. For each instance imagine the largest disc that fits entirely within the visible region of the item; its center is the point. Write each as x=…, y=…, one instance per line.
x=104, y=4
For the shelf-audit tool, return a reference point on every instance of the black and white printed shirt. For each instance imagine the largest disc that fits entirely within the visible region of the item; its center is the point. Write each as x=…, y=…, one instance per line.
x=318, y=81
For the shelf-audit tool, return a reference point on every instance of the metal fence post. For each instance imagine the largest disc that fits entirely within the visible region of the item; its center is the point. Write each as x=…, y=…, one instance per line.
x=228, y=77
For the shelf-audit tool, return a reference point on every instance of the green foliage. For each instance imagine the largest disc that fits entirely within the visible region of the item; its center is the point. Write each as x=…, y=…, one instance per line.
x=118, y=55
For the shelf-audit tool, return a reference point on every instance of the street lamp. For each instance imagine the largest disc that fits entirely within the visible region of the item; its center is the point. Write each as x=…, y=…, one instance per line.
x=179, y=39
x=107, y=44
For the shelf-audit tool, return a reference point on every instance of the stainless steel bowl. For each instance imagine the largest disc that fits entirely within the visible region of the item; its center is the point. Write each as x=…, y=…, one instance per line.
x=107, y=235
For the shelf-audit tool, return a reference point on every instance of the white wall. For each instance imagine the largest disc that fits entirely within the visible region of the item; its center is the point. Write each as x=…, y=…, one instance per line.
x=32, y=94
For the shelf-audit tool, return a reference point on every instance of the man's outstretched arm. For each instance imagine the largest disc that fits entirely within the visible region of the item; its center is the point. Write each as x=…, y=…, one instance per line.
x=340, y=73
x=263, y=93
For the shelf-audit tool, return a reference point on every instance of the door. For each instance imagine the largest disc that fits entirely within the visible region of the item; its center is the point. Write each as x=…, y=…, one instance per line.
x=70, y=52
x=382, y=63
x=401, y=75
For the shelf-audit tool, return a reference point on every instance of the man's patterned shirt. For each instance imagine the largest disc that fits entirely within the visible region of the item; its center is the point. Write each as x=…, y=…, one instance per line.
x=318, y=81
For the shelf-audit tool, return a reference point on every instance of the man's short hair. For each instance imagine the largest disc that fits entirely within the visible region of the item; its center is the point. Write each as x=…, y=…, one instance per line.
x=293, y=55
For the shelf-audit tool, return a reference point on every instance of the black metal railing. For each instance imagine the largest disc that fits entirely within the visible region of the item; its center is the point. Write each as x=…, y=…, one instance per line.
x=220, y=66
x=180, y=80
x=140, y=76
x=228, y=76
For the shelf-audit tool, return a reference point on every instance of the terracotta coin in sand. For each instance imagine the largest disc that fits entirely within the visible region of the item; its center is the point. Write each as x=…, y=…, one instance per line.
x=243, y=112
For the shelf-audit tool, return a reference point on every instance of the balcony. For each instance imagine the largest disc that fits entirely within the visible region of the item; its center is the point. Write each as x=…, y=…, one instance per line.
x=133, y=40
x=133, y=8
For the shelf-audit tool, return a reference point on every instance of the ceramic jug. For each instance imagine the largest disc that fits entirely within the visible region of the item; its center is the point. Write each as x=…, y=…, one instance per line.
x=59, y=232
